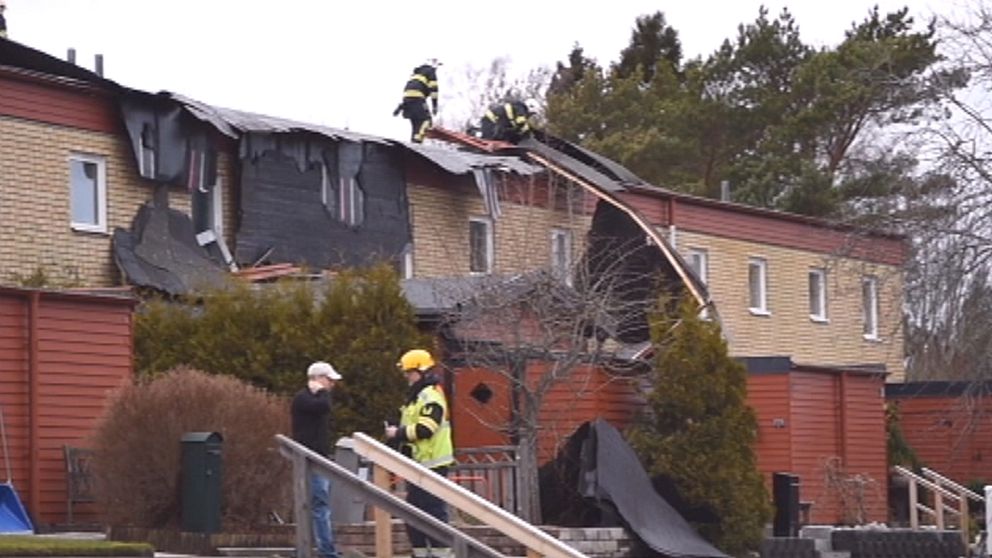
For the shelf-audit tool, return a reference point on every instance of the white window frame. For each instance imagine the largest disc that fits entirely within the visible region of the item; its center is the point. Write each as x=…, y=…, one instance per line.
x=702, y=271
x=101, y=193
x=704, y=263
x=762, y=265
x=408, y=261
x=869, y=307
x=820, y=276
x=146, y=158
x=565, y=273
x=489, y=245
x=217, y=209
x=348, y=217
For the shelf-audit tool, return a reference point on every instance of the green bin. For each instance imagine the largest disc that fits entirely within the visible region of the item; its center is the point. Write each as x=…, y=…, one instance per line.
x=201, y=481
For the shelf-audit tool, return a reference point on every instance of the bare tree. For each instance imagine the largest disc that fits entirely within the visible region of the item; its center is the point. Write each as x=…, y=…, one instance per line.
x=489, y=85
x=950, y=219
x=537, y=329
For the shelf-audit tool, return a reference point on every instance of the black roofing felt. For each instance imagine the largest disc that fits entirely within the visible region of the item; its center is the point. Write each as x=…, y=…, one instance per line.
x=937, y=388
x=160, y=251
x=15, y=54
x=597, y=465
x=609, y=167
x=597, y=176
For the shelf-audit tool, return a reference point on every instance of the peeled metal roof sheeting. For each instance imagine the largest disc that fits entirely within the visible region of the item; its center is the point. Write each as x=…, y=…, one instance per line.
x=463, y=162
x=230, y=122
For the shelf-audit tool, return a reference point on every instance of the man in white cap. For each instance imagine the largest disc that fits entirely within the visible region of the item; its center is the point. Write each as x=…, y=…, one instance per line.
x=311, y=414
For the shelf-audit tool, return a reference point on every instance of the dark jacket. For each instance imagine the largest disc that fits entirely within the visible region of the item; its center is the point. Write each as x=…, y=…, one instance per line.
x=422, y=85
x=311, y=415
x=506, y=122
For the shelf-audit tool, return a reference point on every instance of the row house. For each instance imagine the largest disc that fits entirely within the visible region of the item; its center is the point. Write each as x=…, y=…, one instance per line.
x=105, y=185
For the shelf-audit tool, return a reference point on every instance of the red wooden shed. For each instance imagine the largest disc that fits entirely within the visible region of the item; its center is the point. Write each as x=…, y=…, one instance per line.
x=807, y=417
x=814, y=420
x=949, y=425
x=61, y=355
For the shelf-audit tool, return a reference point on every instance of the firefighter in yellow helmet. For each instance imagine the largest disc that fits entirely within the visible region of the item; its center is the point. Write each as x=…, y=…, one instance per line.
x=424, y=434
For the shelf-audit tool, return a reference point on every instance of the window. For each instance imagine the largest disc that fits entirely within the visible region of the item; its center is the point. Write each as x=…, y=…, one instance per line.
x=343, y=198
x=408, y=261
x=88, y=193
x=561, y=254
x=699, y=264
x=208, y=209
x=818, y=295
x=869, y=297
x=146, y=163
x=757, y=280
x=480, y=245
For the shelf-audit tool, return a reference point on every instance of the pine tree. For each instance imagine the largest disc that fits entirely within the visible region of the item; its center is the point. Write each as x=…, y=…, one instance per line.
x=699, y=431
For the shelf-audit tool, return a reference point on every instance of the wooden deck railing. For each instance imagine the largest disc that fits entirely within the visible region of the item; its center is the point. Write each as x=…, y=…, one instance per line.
x=950, y=500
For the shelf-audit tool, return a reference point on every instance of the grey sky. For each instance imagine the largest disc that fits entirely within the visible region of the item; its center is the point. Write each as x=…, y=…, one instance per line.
x=344, y=63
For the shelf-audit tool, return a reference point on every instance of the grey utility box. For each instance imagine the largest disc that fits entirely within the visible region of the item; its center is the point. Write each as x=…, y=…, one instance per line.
x=347, y=504
x=201, y=481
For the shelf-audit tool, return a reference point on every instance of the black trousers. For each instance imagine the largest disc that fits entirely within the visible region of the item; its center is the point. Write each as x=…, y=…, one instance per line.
x=415, y=110
x=432, y=505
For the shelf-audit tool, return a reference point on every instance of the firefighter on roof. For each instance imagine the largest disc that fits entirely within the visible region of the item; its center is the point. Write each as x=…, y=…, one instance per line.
x=421, y=86
x=509, y=121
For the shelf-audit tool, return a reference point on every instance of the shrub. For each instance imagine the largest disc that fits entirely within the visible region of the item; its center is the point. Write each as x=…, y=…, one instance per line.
x=699, y=431
x=359, y=322
x=137, y=452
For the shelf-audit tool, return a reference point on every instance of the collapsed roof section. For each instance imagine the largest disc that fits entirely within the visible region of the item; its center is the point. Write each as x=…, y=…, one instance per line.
x=616, y=225
x=309, y=194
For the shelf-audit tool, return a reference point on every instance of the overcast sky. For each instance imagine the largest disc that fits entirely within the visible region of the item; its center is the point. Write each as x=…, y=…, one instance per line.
x=344, y=64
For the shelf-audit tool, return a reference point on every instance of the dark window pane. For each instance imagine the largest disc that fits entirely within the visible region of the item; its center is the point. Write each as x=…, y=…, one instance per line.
x=478, y=247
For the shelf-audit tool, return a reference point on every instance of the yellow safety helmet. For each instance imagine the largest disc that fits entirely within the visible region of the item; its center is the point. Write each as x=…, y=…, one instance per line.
x=415, y=359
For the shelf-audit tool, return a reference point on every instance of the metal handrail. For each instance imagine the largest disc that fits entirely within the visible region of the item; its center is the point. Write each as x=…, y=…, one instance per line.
x=304, y=459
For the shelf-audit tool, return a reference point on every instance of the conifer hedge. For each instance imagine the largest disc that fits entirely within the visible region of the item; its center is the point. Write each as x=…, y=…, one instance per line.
x=698, y=430
x=267, y=335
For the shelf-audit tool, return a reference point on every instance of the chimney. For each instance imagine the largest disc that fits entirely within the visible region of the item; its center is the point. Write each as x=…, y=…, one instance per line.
x=71, y=56
x=98, y=64
x=725, y=190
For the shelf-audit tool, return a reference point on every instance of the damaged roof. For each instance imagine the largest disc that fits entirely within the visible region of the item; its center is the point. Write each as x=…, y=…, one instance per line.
x=464, y=162
x=233, y=123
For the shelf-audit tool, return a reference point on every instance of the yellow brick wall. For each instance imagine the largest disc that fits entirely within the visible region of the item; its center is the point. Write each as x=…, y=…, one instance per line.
x=788, y=330
x=522, y=234
x=35, y=230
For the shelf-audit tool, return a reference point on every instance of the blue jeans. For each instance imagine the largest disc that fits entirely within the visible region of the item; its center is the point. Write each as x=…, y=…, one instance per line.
x=320, y=497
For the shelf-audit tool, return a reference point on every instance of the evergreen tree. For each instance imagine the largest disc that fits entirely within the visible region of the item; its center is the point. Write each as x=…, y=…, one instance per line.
x=699, y=431
x=565, y=77
x=360, y=323
x=652, y=41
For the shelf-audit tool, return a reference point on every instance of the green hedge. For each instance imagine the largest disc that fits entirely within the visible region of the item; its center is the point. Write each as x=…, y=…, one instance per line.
x=27, y=545
x=268, y=335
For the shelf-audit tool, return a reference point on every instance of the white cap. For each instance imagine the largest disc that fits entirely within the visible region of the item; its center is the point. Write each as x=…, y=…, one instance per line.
x=321, y=368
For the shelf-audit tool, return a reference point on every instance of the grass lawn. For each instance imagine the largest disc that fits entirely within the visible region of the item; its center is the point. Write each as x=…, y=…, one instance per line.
x=27, y=545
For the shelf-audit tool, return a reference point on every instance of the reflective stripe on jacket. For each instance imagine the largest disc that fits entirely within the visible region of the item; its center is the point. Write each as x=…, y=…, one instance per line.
x=422, y=84
x=436, y=450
